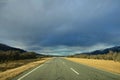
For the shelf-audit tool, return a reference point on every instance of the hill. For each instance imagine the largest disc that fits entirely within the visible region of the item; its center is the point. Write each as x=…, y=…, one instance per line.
x=4, y=47
x=8, y=53
x=112, y=53
x=105, y=51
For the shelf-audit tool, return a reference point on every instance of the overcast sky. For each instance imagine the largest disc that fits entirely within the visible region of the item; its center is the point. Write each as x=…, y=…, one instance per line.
x=60, y=26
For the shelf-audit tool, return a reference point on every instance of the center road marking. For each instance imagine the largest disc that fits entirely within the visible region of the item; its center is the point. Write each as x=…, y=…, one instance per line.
x=74, y=71
x=29, y=72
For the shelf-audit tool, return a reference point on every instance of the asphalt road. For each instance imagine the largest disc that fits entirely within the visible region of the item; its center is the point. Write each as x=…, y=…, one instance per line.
x=62, y=69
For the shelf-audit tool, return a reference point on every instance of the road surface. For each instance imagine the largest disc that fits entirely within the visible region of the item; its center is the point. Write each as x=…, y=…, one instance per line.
x=62, y=69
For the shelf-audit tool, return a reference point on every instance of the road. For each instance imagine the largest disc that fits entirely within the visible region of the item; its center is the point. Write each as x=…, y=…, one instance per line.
x=62, y=69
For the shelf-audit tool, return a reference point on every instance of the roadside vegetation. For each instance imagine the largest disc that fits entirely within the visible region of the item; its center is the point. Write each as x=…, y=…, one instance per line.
x=115, y=56
x=107, y=65
x=26, y=64
x=13, y=59
x=109, y=60
x=12, y=55
x=16, y=63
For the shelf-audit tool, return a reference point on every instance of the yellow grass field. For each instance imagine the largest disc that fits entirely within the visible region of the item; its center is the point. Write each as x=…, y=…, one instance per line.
x=107, y=65
x=13, y=72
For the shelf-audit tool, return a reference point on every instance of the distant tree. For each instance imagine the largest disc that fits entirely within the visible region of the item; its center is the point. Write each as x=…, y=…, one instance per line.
x=16, y=55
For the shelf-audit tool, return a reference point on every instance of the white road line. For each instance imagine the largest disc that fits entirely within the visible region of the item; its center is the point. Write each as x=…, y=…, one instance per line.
x=29, y=72
x=74, y=71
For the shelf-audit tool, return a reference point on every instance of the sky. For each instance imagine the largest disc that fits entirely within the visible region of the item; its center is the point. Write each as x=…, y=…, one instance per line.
x=60, y=27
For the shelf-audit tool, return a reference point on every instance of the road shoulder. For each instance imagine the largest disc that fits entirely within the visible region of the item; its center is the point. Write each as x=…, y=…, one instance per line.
x=7, y=75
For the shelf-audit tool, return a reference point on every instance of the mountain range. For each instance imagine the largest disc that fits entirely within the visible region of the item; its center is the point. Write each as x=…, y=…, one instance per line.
x=105, y=51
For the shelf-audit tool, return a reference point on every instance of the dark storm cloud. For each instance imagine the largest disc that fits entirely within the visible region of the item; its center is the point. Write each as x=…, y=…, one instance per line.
x=34, y=24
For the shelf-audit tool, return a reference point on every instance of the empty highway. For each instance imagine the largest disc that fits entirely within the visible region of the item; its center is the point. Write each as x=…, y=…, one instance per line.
x=62, y=69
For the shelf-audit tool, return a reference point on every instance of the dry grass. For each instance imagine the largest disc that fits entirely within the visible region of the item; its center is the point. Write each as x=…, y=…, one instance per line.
x=6, y=75
x=107, y=65
x=14, y=64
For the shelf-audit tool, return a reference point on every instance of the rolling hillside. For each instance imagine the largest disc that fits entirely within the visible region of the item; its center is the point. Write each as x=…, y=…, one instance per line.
x=8, y=53
x=105, y=51
x=4, y=47
x=112, y=53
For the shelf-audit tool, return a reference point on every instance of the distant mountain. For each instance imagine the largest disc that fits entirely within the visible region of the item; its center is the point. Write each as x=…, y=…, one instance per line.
x=112, y=53
x=4, y=47
x=105, y=51
x=8, y=53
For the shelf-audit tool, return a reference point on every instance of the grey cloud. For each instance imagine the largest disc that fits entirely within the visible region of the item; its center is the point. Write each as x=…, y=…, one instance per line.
x=43, y=23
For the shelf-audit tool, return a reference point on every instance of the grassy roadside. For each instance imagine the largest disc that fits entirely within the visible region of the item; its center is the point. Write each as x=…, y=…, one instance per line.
x=10, y=73
x=16, y=63
x=107, y=65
